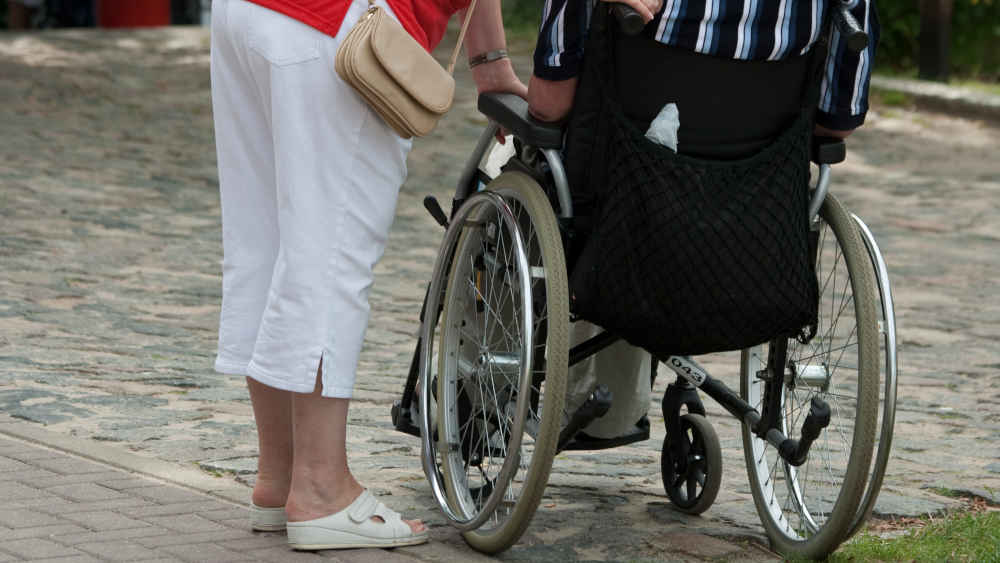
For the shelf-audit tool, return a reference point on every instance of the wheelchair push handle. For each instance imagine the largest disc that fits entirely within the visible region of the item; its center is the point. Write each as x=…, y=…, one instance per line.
x=849, y=28
x=629, y=20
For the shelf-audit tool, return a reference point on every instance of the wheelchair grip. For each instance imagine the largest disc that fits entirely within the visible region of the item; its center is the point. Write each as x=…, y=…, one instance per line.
x=849, y=28
x=827, y=150
x=629, y=20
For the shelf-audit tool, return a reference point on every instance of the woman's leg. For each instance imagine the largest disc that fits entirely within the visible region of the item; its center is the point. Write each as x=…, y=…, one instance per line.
x=272, y=411
x=322, y=482
x=250, y=241
x=334, y=173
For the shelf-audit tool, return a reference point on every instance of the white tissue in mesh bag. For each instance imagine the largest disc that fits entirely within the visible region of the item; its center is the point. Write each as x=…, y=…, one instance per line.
x=663, y=129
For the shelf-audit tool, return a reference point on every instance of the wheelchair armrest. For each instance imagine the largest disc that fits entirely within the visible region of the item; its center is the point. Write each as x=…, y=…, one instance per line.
x=511, y=112
x=828, y=150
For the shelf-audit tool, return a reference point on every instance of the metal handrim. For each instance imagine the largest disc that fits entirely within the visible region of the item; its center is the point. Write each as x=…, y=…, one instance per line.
x=889, y=406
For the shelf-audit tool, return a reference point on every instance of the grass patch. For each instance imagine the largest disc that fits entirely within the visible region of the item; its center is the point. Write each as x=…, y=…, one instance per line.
x=946, y=492
x=968, y=536
x=893, y=98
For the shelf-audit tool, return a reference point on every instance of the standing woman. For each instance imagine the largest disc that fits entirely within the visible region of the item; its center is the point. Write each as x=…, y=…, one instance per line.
x=309, y=177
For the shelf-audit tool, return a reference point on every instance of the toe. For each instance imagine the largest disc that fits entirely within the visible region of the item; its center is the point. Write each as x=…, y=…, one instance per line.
x=416, y=525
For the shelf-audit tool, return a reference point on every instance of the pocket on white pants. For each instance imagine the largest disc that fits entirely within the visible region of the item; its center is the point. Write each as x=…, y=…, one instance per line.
x=281, y=40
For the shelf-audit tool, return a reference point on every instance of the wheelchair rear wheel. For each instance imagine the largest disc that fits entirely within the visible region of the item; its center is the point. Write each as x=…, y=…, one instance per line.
x=809, y=510
x=503, y=360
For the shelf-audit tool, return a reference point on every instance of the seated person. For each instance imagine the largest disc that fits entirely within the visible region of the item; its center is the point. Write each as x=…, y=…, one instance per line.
x=719, y=61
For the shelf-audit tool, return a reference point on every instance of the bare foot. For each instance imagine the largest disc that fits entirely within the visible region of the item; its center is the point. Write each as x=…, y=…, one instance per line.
x=268, y=493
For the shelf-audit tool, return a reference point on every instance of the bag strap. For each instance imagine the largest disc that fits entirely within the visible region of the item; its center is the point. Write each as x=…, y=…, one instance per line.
x=461, y=34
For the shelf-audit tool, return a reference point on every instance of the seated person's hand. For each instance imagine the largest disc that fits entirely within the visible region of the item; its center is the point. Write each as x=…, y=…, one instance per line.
x=821, y=131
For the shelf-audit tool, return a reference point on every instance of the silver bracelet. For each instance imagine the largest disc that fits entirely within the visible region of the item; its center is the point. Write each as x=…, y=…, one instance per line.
x=488, y=57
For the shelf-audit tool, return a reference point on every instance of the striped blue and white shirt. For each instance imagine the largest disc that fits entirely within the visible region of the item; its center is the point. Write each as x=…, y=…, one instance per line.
x=757, y=30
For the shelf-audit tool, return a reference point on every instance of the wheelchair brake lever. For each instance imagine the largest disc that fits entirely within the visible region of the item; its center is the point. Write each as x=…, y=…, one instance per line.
x=796, y=452
x=434, y=208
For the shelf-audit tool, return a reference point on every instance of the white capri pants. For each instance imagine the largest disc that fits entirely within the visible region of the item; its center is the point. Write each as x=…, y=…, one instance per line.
x=309, y=178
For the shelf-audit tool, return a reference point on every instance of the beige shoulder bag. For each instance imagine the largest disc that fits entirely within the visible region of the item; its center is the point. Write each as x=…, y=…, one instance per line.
x=396, y=76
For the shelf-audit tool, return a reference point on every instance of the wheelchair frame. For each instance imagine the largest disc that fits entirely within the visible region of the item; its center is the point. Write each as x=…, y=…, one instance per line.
x=690, y=376
x=691, y=454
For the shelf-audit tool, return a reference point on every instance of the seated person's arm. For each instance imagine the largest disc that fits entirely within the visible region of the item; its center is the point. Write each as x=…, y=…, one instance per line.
x=558, y=61
x=843, y=100
x=821, y=131
x=550, y=100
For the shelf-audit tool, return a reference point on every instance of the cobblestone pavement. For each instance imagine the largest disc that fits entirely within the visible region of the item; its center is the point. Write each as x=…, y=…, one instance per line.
x=109, y=294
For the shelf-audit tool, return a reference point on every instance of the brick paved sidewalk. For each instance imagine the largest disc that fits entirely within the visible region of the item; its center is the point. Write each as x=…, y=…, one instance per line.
x=68, y=500
x=58, y=506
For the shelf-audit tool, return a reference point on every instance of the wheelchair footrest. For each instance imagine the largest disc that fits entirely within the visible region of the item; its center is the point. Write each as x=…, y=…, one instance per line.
x=402, y=421
x=596, y=406
x=584, y=441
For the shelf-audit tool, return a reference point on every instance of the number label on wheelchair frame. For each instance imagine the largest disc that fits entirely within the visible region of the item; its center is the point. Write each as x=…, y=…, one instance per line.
x=688, y=369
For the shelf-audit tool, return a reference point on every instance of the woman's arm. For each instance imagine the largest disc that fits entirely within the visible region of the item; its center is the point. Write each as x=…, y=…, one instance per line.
x=486, y=34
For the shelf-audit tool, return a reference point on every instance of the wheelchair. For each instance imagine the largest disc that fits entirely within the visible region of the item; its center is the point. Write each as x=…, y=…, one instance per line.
x=486, y=391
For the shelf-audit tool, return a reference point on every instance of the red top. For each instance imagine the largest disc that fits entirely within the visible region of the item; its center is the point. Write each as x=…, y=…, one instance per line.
x=425, y=20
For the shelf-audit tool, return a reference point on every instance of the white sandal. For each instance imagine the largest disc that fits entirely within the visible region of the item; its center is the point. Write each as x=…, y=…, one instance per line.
x=353, y=527
x=267, y=519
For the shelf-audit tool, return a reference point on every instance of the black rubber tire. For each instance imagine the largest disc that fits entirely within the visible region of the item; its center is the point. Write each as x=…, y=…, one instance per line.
x=704, y=470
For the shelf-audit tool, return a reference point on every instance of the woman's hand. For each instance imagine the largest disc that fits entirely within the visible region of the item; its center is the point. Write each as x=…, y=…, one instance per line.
x=498, y=76
x=486, y=34
x=646, y=8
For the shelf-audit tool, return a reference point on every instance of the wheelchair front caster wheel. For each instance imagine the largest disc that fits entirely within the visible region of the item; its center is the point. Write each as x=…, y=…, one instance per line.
x=692, y=483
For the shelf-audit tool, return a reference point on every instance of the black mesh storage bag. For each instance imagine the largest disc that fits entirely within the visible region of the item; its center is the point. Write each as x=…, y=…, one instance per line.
x=689, y=256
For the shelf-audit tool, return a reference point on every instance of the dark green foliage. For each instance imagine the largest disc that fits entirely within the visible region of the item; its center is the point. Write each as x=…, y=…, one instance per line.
x=522, y=15
x=975, y=34
x=975, y=38
x=898, y=46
